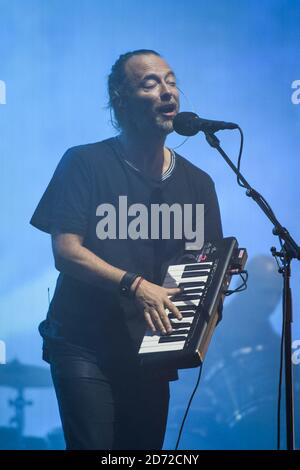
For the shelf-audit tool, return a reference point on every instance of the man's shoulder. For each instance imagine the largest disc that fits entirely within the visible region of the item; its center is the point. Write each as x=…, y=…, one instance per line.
x=194, y=171
x=99, y=149
x=88, y=156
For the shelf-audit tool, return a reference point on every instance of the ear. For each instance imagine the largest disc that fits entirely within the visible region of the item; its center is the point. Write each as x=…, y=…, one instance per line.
x=118, y=99
x=122, y=103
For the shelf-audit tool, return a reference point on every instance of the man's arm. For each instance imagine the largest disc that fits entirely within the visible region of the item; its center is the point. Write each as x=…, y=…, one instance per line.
x=72, y=258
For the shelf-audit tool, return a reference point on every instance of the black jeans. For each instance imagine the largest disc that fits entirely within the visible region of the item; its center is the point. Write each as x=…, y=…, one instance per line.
x=107, y=411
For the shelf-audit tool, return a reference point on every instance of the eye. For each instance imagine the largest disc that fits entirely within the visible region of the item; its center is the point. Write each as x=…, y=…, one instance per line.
x=149, y=84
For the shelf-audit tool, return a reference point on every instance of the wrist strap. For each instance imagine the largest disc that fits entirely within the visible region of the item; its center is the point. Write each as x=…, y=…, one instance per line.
x=125, y=284
x=138, y=284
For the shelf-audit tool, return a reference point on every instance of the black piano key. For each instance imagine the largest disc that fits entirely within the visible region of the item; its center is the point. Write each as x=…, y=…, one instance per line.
x=183, y=308
x=190, y=313
x=192, y=274
x=179, y=332
x=197, y=267
x=185, y=296
x=171, y=339
x=192, y=284
x=182, y=324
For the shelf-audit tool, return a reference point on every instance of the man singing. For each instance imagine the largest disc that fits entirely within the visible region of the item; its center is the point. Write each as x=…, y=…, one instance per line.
x=111, y=268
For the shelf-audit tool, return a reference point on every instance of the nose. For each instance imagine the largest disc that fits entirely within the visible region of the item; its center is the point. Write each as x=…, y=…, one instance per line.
x=166, y=92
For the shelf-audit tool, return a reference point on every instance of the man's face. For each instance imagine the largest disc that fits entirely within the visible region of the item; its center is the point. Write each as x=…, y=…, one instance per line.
x=153, y=98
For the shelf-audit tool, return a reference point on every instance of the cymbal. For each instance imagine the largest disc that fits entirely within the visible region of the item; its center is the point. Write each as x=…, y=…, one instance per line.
x=14, y=374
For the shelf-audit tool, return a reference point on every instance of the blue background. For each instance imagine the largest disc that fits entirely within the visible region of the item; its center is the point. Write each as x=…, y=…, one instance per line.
x=235, y=60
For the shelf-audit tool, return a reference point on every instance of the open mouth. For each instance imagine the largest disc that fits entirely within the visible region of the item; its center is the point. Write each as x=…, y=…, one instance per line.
x=167, y=109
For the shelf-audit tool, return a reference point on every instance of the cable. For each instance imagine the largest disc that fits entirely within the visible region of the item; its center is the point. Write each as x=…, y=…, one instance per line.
x=242, y=286
x=280, y=381
x=190, y=105
x=262, y=199
x=182, y=143
x=253, y=191
x=240, y=157
x=188, y=407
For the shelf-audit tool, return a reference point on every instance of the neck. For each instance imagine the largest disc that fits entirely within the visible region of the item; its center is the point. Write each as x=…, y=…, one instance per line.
x=146, y=152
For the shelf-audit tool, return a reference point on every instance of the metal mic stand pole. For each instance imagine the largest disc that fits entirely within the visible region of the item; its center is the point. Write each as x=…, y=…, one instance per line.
x=289, y=250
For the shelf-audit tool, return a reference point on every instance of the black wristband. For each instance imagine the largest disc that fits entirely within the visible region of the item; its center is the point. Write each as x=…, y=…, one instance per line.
x=125, y=284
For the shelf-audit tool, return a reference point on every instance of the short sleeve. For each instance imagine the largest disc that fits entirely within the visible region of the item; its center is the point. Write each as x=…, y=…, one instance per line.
x=64, y=206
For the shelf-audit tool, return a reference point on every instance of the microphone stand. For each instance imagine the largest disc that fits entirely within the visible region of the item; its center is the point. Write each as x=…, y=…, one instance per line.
x=289, y=250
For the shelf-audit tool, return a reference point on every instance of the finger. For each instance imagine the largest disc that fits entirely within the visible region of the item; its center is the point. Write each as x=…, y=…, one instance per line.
x=164, y=318
x=157, y=321
x=173, y=309
x=174, y=290
x=149, y=322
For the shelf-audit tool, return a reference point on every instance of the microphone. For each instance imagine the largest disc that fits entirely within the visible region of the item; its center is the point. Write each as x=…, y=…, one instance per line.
x=189, y=124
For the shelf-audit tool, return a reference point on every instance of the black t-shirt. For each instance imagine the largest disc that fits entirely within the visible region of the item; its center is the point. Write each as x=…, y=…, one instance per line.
x=87, y=177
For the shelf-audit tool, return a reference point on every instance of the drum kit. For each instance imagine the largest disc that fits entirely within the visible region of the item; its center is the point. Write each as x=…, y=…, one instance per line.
x=20, y=377
x=236, y=406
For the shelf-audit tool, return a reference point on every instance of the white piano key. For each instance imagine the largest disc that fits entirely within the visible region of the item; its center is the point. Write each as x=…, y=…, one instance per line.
x=173, y=282
x=161, y=348
x=196, y=288
x=201, y=288
x=173, y=274
x=185, y=320
x=179, y=276
x=176, y=269
x=154, y=340
x=189, y=294
x=206, y=265
x=180, y=303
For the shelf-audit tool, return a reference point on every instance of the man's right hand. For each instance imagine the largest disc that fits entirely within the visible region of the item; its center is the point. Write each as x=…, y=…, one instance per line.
x=152, y=300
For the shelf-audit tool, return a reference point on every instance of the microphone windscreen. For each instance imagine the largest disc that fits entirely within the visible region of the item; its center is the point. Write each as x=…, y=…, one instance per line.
x=185, y=123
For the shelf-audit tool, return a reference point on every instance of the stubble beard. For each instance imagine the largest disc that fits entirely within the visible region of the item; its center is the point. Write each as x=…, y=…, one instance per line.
x=164, y=125
x=159, y=125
